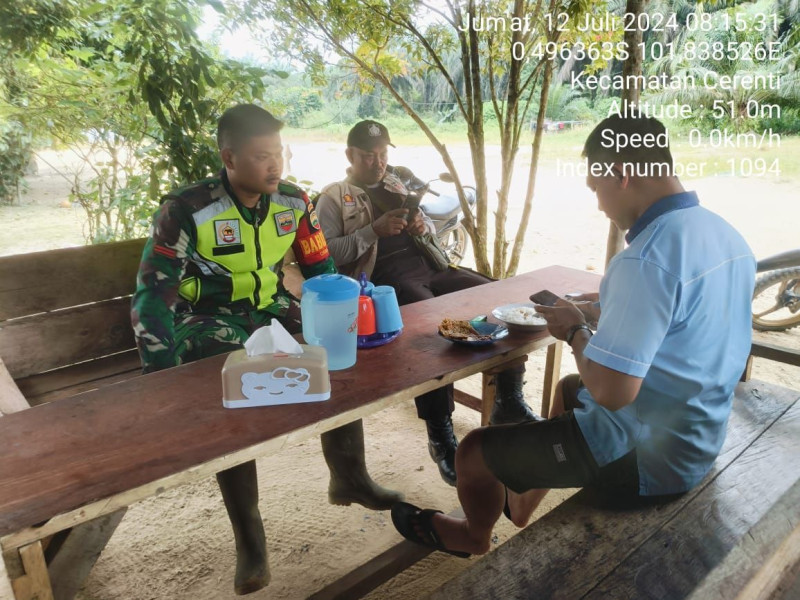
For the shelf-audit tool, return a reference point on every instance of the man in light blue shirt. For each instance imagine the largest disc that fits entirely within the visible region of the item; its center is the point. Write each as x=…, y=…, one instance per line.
x=647, y=415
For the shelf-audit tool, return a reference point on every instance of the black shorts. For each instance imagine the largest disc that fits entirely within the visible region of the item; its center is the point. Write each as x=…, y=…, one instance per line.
x=554, y=454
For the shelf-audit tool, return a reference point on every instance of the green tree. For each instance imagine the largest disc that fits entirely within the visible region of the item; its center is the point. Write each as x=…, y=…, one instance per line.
x=130, y=88
x=385, y=40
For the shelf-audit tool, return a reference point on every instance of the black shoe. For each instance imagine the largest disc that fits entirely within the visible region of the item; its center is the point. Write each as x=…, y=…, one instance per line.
x=442, y=444
x=516, y=413
x=509, y=405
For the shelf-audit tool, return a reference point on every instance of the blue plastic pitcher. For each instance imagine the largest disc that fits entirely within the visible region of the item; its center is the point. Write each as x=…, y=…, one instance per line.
x=329, y=309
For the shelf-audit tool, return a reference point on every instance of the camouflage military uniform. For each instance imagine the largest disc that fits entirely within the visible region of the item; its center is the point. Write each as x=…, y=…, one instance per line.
x=211, y=270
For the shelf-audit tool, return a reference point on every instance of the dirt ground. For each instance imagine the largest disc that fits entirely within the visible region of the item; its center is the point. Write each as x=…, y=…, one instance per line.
x=179, y=545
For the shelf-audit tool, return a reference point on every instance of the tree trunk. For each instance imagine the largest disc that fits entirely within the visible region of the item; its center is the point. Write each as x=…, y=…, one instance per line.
x=535, y=149
x=632, y=66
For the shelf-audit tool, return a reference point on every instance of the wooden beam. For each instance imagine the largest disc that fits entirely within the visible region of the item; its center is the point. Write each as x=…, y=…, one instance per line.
x=44, y=281
x=81, y=333
x=35, y=584
x=6, y=589
x=552, y=373
x=362, y=580
x=775, y=571
x=79, y=552
x=468, y=400
x=777, y=353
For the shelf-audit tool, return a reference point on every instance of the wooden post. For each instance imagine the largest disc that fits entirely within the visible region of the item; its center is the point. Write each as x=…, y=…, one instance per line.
x=552, y=372
x=35, y=583
x=6, y=590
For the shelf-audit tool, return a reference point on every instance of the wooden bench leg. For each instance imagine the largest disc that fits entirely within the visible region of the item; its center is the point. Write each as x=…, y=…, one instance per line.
x=748, y=369
x=74, y=559
x=35, y=583
x=552, y=372
x=6, y=590
x=489, y=387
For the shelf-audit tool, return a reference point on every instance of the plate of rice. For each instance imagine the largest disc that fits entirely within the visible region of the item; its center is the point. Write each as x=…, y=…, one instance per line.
x=521, y=316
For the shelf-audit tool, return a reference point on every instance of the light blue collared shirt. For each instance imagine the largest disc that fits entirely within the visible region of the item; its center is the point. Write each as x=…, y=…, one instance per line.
x=675, y=312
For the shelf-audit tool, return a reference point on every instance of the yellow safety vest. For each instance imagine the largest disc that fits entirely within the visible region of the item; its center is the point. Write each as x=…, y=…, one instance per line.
x=235, y=260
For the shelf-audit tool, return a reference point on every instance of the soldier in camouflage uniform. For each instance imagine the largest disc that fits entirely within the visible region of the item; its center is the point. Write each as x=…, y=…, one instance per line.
x=211, y=274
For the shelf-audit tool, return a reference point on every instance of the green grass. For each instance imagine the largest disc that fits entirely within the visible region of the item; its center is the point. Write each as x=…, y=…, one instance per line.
x=567, y=145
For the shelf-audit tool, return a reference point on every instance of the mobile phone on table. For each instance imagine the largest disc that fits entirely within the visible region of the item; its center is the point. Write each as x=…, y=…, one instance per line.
x=545, y=298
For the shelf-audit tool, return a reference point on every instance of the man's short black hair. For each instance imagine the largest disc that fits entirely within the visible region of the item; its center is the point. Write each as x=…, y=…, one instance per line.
x=598, y=149
x=242, y=122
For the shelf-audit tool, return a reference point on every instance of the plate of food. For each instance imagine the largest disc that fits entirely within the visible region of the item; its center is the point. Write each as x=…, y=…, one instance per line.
x=477, y=332
x=520, y=316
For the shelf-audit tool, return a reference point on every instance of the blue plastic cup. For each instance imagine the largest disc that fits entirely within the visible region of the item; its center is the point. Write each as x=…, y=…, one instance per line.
x=387, y=310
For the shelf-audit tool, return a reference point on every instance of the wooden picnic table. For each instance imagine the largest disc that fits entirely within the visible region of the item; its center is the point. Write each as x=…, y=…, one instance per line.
x=71, y=461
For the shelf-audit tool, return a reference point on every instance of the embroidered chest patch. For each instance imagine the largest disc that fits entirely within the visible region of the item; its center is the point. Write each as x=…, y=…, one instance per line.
x=227, y=232
x=285, y=222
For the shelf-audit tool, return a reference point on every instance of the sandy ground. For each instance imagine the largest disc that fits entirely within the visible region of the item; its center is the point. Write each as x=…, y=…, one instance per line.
x=179, y=545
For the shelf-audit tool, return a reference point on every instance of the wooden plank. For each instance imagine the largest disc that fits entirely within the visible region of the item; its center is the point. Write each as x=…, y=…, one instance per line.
x=777, y=353
x=44, y=281
x=678, y=556
x=6, y=590
x=34, y=344
x=488, y=396
x=552, y=372
x=746, y=560
x=468, y=400
x=362, y=580
x=777, y=568
x=73, y=561
x=90, y=454
x=570, y=550
x=35, y=584
x=82, y=377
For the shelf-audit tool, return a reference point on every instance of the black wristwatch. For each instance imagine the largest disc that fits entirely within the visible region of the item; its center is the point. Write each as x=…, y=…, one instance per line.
x=575, y=329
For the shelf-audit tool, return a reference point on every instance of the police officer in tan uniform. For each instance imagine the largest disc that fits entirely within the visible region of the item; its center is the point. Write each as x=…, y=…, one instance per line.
x=370, y=228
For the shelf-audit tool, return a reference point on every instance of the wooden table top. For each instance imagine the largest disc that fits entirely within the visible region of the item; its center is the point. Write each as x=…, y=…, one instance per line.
x=87, y=455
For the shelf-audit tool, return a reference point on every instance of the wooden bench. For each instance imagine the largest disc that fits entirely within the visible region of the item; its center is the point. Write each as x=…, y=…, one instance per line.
x=65, y=330
x=737, y=535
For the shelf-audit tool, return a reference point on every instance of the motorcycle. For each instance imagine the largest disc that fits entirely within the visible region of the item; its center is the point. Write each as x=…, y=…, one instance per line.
x=443, y=209
x=776, y=299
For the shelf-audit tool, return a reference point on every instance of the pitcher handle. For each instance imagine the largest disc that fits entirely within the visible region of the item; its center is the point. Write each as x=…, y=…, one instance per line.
x=307, y=316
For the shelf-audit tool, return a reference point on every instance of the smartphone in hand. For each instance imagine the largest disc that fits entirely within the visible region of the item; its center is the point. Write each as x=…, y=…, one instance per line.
x=545, y=298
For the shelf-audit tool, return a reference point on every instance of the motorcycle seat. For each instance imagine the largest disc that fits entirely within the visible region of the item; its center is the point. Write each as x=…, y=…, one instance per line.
x=441, y=207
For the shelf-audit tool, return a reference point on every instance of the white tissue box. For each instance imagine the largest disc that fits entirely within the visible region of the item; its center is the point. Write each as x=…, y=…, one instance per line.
x=272, y=379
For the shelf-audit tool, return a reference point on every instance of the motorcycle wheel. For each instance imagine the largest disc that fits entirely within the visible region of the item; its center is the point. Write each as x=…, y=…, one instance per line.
x=454, y=243
x=776, y=300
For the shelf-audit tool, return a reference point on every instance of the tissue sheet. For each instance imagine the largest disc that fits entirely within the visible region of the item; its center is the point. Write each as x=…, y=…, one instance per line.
x=271, y=339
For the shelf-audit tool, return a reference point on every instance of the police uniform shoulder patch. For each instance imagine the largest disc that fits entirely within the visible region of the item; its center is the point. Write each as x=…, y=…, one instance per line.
x=227, y=232
x=285, y=222
x=313, y=219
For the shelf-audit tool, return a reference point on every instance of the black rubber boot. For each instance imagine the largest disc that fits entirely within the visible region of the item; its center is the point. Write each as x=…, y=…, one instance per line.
x=442, y=444
x=509, y=403
x=343, y=449
x=239, y=487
